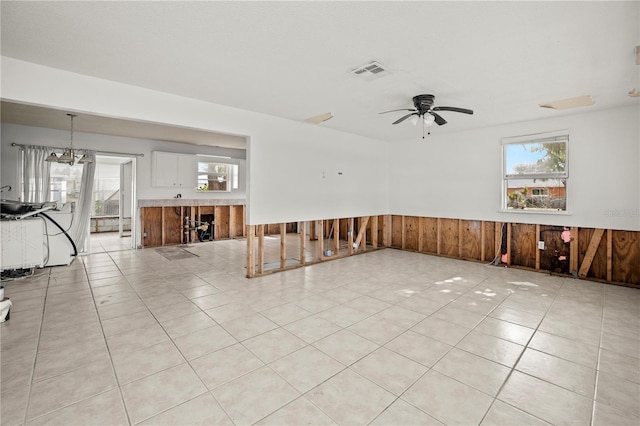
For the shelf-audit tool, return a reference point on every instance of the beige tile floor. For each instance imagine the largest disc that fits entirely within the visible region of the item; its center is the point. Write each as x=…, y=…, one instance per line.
x=384, y=338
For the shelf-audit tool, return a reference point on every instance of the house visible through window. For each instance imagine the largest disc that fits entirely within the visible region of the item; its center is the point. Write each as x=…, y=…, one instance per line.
x=535, y=173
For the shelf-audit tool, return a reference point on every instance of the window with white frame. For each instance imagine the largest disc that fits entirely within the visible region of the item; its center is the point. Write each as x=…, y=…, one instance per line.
x=214, y=175
x=535, y=173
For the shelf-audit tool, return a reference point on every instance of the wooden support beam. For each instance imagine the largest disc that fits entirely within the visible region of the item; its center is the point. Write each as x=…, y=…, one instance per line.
x=439, y=236
x=498, y=240
x=251, y=264
x=404, y=233
x=260, y=249
x=537, y=249
x=283, y=245
x=362, y=232
x=374, y=231
x=483, y=251
x=573, y=252
x=609, y=255
x=336, y=236
x=591, y=252
x=460, y=238
x=302, y=227
x=421, y=225
x=386, y=231
x=509, y=243
x=320, y=235
x=162, y=225
x=350, y=236
x=232, y=221
x=192, y=225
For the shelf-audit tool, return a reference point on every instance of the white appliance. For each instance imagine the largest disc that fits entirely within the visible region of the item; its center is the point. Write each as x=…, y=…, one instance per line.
x=22, y=244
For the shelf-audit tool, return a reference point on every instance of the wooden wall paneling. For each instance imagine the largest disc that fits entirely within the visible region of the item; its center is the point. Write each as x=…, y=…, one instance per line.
x=609, y=255
x=151, y=226
x=460, y=238
x=489, y=241
x=312, y=231
x=573, y=251
x=386, y=230
x=232, y=221
x=260, y=248
x=396, y=231
x=498, y=238
x=483, y=236
x=404, y=232
x=509, y=231
x=429, y=234
x=374, y=231
x=162, y=227
x=593, y=254
x=251, y=264
x=302, y=226
x=411, y=234
x=421, y=231
x=222, y=222
x=470, y=236
x=626, y=257
x=361, y=241
x=439, y=236
x=173, y=226
x=283, y=245
x=537, y=249
x=523, y=245
x=192, y=225
x=449, y=234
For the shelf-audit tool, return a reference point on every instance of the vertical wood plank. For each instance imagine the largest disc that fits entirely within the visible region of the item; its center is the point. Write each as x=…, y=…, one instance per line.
x=509, y=243
x=260, y=248
x=421, y=226
x=361, y=240
x=251, y=264
x=439, y=235
x=404, y=233
x=591, y=252
x=162, y=233
x=336, y=236
x=283, y=245
x=459, y=238
x=374, y=232
x=232, y=221
x=302, y=226
x=537, y=249
x=320, y=235
x=350, y=236
x=498, y=239
x=609, y=255
x=386, y=231
x=573, y=251
x=483, y=251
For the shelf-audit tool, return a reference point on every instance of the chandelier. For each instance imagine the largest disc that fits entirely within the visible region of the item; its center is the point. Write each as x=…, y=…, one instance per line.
x=69, y=155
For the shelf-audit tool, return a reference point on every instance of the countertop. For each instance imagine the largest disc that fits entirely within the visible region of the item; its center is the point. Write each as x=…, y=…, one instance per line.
x=191, y=202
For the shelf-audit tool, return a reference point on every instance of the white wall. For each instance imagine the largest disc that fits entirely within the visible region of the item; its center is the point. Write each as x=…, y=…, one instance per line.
x=460, y=175
x=25, y=135
x=285, y=158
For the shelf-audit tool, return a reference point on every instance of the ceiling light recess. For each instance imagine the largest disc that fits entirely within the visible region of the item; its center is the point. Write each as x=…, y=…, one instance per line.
x=371, y=71
x=576, y=102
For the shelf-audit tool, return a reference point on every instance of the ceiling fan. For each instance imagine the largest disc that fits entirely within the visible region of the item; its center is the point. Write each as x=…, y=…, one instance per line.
x=424, y=109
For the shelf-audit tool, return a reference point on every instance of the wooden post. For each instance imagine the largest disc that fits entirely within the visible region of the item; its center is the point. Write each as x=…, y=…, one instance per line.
x=374, y=232
x=162, y=224
x=320, y=235
x=509, y=243
x=302, y=227
x=460, y=238
x=404, y=233
x=386, y=231
x=251, y=264
x=260, y=249
x=232, y=221
x=537, y=249
x=498, y=239
x=439, y=236
x=609, y=255
x=283, y=245
x=591, y=252
x=421, y=223
x=362, y=233
x=336, y=236
x=350, y=236
x=483, y=251
x=573, y=251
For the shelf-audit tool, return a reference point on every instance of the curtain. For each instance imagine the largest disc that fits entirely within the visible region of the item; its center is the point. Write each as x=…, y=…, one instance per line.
x=81, y=216
x=35, y=174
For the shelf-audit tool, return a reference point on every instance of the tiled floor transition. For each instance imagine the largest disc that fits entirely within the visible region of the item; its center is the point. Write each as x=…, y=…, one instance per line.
x=384, y=338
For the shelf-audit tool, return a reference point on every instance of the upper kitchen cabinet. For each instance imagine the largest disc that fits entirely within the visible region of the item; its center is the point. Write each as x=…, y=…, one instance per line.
x=170, y=169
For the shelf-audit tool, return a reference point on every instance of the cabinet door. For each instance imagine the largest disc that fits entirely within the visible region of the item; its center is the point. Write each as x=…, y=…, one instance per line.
x=187, y=171
x=164, y=169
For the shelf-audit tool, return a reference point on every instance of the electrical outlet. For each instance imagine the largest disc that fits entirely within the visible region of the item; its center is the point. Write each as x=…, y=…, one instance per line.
x=540, y=245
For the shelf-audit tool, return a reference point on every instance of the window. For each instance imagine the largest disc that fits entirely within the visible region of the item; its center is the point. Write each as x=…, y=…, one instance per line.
x=64, y=183
x=106, y=187
x=535, y=173
x=216, y=176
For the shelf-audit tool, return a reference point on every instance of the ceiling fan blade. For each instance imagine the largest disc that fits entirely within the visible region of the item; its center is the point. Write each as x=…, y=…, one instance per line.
x=439, y=120
x=394, y=110
x=454, y=109
x=401, y=119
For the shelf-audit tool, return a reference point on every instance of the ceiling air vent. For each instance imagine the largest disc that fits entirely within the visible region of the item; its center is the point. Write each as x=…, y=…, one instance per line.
x=371, y=71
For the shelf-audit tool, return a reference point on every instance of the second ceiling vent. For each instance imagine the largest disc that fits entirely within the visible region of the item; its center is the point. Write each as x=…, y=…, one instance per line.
x=371, y=71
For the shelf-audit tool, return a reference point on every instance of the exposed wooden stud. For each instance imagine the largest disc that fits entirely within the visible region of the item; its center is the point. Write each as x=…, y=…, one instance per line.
x=162, y=225
x=350, y=236
x=302, y=228
x=497, y=240
x=336, y=236
x=404, y=233
x=573, y=251
x=609, y=255
x=232, y=221
x=509, y=243
x=251, y=264
x=320, y=236
x=362, y=233
x=459, y=238
x=283, y=245
x=439, y=235
x=537, y=249
x=421, y=226
x=260, y=249
x=374, y=232
x=483, y=251
x=591, y=252
x=312, y=230
x=386, y=231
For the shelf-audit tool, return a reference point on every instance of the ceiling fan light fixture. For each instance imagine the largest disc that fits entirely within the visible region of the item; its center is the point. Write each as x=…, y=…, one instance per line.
x=85, y=159
x=578, y=101
x=429, y=120
x=67, y=157
x=52, y=158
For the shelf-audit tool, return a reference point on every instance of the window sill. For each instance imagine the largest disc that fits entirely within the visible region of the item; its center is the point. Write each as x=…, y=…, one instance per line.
x=525, y=211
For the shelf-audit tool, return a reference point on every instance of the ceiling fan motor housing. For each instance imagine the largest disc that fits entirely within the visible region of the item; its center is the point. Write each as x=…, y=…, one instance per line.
x=423, y=103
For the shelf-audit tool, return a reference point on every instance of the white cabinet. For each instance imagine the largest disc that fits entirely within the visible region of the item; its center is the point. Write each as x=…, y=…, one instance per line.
x=170, y=169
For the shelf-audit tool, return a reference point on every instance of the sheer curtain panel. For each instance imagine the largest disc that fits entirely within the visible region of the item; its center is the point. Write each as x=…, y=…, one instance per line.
x=81, y=216
x=35, y=174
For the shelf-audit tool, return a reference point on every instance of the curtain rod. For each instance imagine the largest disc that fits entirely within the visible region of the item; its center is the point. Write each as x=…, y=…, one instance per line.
x=84, y=149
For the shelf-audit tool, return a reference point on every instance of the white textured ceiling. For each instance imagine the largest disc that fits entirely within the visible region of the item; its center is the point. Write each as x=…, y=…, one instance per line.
x=292, y=59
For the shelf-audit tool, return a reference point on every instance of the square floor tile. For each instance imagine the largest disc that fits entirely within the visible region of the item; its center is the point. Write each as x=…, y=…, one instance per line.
x=391, y=371
x=477, y=372
x=312, y=328
x=348, y=398
x=403, y=413
x=285, y=314
x=298, y=412
x=377, y=330
x=203, y=341
x=138, y=338
x=619, y=365
x=573, y=351
x=546, y=401
x=225, y=365
x=306, y=368
x=441, y=330
x=135, y=365
x=201, y=410
x=501, y=414
x=505, y=330
x=169, y=388
x=492, y=348
x=254, y=396
x=422, y=349
x=345, y=346
x=620, y=394
x=248, y=326
x=448, y=400
x=274, y=344
x=177, y=327
x=106, y=408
